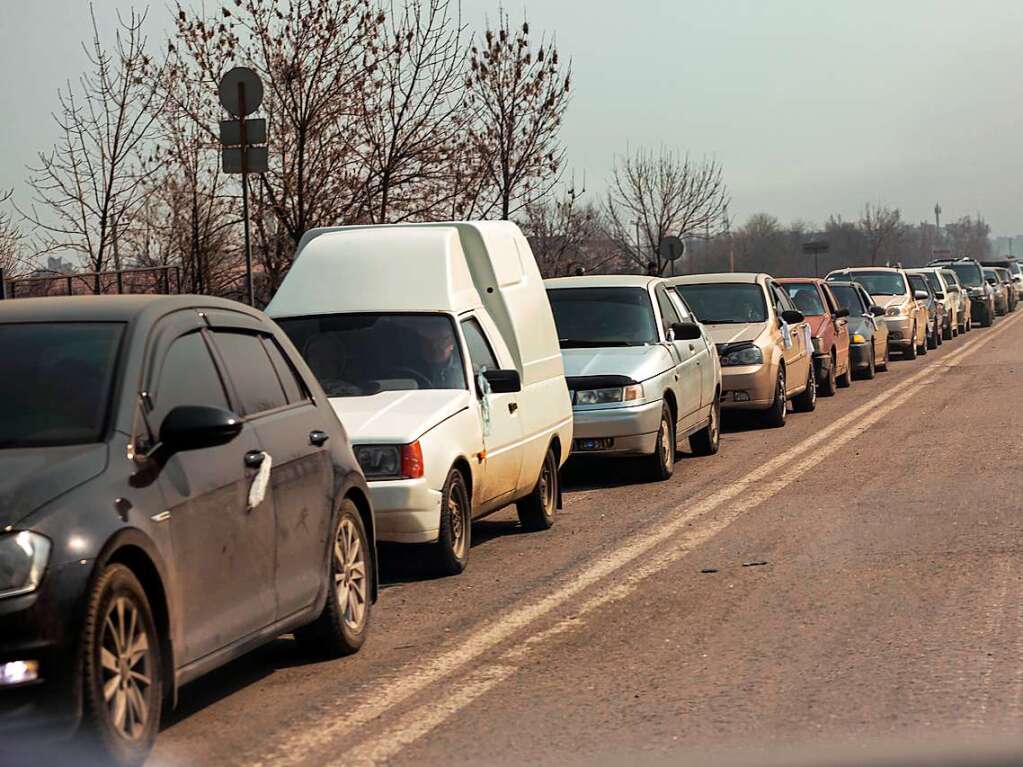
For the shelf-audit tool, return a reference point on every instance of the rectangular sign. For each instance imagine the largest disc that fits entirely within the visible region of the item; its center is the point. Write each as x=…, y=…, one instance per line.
x=231, y=132
x=256, y=157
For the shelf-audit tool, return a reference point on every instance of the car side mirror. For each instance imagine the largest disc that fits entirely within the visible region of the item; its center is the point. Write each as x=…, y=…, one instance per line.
x=503, y=381
x=876, y=311
x=686, y=331
x=194, y=427
x=840, y=313
x=992, y=281
x=791, y=316
x=920, y=295
x=1017, y=278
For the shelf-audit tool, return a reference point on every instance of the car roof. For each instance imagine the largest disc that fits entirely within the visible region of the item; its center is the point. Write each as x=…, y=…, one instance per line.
x=814, y=280
x=603, y=281
x=719, y=277
x=854, y=269
x=109, y=308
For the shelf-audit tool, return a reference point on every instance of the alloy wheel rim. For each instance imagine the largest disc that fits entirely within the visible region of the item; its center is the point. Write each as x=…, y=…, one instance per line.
x=350, y=574
x=664, y=446
x=125, y=669
x=547, y=489
x=458, y=526
x=781, y=396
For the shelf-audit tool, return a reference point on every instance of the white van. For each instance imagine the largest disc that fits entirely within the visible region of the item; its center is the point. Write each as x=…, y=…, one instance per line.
x=438, y=350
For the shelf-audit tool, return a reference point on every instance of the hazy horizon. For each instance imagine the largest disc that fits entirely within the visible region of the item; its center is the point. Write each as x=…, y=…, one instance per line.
x=810, y=112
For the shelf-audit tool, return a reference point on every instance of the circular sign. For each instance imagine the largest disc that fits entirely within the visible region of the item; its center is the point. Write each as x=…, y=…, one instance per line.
x=238, y=83
x=671, y=248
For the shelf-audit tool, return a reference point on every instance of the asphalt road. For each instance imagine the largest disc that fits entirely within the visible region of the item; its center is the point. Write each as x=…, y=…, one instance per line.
x=887, y=612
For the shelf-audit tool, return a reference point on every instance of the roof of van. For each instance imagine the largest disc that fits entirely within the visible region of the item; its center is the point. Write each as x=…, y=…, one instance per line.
x=719, y=277
x=603, y=281
x=377, y=269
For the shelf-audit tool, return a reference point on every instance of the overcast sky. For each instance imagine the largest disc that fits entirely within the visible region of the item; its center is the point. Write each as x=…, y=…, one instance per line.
x=813, y=107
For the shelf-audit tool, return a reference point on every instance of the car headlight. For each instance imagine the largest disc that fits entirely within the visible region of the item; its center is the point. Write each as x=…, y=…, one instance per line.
x=609, y=395
x=23, y=558
x=390, y=461
x=897, y=311
x=748, y=355
x=856, y=338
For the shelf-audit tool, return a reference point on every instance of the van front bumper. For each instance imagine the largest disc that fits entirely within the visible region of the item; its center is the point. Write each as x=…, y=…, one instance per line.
x=405, y=510
x=747, y=387
x=616, y=430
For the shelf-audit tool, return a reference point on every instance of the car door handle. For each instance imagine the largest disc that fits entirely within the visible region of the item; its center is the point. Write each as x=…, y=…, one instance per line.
x=318, y=438
x=254, y=458
x=513, y=406
x=692, y=347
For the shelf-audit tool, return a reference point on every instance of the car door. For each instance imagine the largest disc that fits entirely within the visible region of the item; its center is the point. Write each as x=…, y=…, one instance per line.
x=499, y=418
x=686, y=378
x=841, y=324
x=223, y=550
x=796, y=349
x=704, y=353
x=292, y=435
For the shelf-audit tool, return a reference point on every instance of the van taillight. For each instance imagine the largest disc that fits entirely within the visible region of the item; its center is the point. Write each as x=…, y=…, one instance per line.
x=412, y=461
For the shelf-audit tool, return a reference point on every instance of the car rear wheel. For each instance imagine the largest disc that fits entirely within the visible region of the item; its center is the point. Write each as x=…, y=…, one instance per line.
x=910, y=351
x=775, y=416
x=949, y=332
x=708, y=439
x=536, y=510
x=870, y=371
x=829, y=385
x=342, y=626
x=845, y=380
x=806, y=402
x=932, y=338
x=122, y=670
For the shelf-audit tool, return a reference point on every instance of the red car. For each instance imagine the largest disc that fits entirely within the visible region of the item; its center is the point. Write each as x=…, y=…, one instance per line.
x=828, y=327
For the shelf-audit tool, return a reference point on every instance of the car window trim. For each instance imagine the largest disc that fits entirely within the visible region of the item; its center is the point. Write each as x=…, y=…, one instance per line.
x=470, y=316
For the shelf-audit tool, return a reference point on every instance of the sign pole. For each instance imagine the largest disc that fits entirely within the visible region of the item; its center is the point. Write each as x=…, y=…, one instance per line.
x=250, y=291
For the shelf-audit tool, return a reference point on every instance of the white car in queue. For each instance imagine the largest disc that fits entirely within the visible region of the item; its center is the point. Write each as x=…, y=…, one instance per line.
x=641, y=369
x=437, y=348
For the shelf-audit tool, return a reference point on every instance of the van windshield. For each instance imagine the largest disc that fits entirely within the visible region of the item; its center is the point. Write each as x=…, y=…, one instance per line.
x=358, y=355
x=600, y=317
x=56, y=380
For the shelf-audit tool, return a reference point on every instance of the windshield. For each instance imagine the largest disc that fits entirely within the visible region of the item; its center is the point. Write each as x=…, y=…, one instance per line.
x=969, y=274
x=879, y=283
x=55, y=382
x=724, y=303
x=596, y=317
x=1014, y=268
x=357, y=355
x=848, y=298
x=805, y=296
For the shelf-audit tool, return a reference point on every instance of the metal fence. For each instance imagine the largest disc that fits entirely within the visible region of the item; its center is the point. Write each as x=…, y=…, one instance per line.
x=155, y=279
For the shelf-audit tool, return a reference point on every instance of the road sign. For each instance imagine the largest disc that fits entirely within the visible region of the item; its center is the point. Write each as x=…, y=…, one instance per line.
x=231, y=132
x=256, y=159
x=241, y=91
x=671, y=248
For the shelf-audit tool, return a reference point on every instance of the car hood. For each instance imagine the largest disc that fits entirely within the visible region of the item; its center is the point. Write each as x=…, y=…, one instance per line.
x=637, y=362
x=397, y=416
x=886, y=301
x=32, y=477
x=731, y=334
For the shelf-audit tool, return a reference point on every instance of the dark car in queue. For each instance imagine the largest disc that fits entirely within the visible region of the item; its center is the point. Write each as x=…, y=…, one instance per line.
x=868, y=336
x=981, y=294
x=175, y=490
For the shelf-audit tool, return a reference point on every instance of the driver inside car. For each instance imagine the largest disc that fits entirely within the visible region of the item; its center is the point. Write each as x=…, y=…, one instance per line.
x=442, y=366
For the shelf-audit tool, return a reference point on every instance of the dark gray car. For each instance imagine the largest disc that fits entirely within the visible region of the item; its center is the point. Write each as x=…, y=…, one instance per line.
x=175, y=490
x=868, y=338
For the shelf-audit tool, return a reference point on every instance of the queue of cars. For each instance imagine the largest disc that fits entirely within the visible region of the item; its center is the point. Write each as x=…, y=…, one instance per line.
x=184, y=478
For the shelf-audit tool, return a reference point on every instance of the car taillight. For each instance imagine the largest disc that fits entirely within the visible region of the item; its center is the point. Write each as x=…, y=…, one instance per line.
x=412, y=461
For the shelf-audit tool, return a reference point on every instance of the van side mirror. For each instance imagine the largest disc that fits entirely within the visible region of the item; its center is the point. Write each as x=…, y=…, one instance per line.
x=877, y=311
x=503, y=381
x=840, y=313
x=791, y=316
x=920, y=295
x=686, y=331
x=193, y=427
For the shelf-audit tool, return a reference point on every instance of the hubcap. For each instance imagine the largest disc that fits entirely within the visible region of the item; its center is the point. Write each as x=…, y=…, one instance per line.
x=664, y=446
x=350, y=574
x=547, y=489
x=458, y=538
x=125, y=668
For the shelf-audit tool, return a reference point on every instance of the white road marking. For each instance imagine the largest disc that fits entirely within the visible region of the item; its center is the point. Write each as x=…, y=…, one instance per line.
x=413, y=678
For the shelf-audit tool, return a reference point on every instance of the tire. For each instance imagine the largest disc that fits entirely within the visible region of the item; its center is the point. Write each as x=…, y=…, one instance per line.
x=120, y=711
x=775, y=416
x=343, y=625
x=988, y=318
x=829, y=385
x=537, y=510
x=450, y=554
x=662, y=463
x=910, y=351
x=948, y=332
x=871, y=369
x=844, y=381
x=806, y=402
x=932, y=340
x=707, y=440
x=883, y=367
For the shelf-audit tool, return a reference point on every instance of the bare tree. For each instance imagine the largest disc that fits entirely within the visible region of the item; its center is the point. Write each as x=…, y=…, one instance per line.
x=662, y=193
x=519, y=96
x=883, y=228
x=10, y=239
x=566, y=236
x=970, y=236
x=89, y=187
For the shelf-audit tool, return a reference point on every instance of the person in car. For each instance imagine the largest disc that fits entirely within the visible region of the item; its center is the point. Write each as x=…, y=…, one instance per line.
x=441, y=365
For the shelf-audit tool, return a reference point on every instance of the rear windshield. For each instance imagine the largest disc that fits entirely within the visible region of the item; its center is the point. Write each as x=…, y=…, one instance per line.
x=358, y=355
x=805, y=296
x=601, y=317
x=56, y=381
x=879, y=283
x=726, y=302
x=848, y=298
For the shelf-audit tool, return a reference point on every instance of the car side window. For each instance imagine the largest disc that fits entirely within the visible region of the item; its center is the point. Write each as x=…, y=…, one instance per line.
x=865, y=299
x=830, y=299
x=293, y=387
x=781, y=300
x=249, y=369
x=188, y=377
x=480, y=352
x=680, y=306
x=668, y=314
